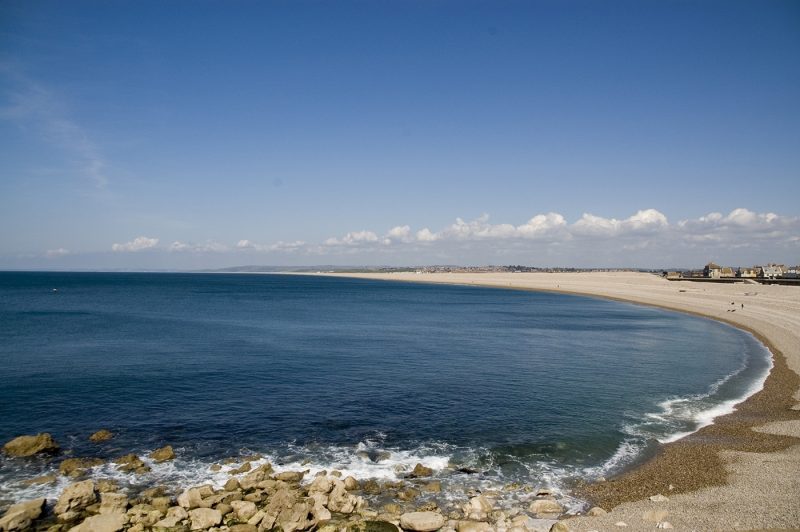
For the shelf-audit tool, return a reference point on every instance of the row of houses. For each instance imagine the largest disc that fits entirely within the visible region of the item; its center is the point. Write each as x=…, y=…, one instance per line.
x=770, y=271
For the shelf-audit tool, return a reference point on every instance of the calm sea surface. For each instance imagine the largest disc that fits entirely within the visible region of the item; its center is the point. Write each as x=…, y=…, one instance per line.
x=364, y=376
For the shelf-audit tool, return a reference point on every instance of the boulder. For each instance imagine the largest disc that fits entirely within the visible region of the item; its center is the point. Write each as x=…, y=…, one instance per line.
x=659, y=498
x=545, y=506
x=372, y=526
x=202, y=518
x=478, y=508
x=31, y=445
x=75, y=467
x=244, y=510
x=193, y=498
x=144, y=514
x=290, y=476
x=76, y=497
x=20, y=516
x=101, y=435
x=232, y=485
x=422, y=521
x=596, y=512
x=473, y=526
x=321, y=484
x=246, y=527
x=421, y=471
x=44, y=479
x=130, y=463
x=163, y=454
x=106, y=485
x=350, y=484
x=113, y=503
x=298, y=517
x=101, y=523
x=175, y=515
x=255, y=476
x=342, y=502
x=561, y=526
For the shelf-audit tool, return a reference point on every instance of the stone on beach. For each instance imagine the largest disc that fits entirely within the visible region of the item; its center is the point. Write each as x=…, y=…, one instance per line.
x=422, y=521
x=20, y=516
x=101, y=435
x=596, y=512
x=113, y=503
x=202, y=518
x=175, y=515
x=478, y=508
x=244, y=510
x=75, y=467
x=28, y=445
x=421, y=471
x=75, y=497
x=101, y=523
x=130, y=463
x=473, y=526
x=659, y=498
x=546, y=506
x=163, y=454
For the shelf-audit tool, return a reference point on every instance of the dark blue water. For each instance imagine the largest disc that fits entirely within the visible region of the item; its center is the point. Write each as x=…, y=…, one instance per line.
x=523, y=386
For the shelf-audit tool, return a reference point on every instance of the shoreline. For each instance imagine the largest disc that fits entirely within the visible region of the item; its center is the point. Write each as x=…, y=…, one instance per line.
x=698, y=472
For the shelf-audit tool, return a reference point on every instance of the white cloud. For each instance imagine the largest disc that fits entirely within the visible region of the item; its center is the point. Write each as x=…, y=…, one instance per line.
x=137, y=244
x=55, y=253
x=644, y=221
x=353, y=239
x=209, y=246
x=400, y=233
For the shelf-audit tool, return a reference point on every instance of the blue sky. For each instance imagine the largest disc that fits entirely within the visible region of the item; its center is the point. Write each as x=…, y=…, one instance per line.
x=204, y=134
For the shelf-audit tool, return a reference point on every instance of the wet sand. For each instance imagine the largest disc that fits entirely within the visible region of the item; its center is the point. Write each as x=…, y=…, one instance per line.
x=740, y=473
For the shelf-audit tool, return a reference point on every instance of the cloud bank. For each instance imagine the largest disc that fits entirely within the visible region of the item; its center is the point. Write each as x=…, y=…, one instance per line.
x=646, y=238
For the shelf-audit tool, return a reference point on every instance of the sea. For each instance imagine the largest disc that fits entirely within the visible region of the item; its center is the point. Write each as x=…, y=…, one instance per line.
x=494, y=389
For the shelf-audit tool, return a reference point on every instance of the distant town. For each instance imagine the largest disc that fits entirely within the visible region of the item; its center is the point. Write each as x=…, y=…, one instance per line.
x=768, y=274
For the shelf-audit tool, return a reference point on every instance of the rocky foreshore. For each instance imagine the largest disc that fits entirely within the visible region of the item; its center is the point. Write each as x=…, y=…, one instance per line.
x=258, y=498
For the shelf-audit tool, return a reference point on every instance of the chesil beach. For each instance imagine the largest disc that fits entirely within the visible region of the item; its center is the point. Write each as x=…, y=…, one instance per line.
x=741, y=472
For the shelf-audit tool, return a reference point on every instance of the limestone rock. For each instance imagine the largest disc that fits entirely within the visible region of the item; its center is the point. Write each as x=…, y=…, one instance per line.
x=421, y=471
x=244, y=510
x=290, y=476
x=144, y=514
x=44, y=479
x=246, y=527
x=296, y=517
x=350, y=484
x=175, y=515
x=73, y=467
x=596, y=512
x=321, y=484
x=422, y=521
x=342, y=502
x=101, y=523
x=561, y=526
x=20, y=516
x=545, y=506
x=372, y=526
x=232, y=485
x=202, y=518
x=659, y=498
x=30, y=445
x=106, y=485
x=254, y=477
x=130, y=463
x=244, y=468
x=163, y=454
x=473, y=526
x=76, y=497
x=478, y=508
x=193, y=498
x=664, y=524
x=113, y=503
x=101, y=435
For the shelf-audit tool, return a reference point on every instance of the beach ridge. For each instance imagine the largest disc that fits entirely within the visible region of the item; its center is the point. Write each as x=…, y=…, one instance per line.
x=739, y=472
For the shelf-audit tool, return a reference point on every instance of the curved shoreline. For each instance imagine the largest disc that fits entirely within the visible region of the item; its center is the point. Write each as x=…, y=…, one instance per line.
x=699, y=472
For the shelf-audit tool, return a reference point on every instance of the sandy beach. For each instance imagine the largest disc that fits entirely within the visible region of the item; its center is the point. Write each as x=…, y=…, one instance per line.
x=740, y=473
